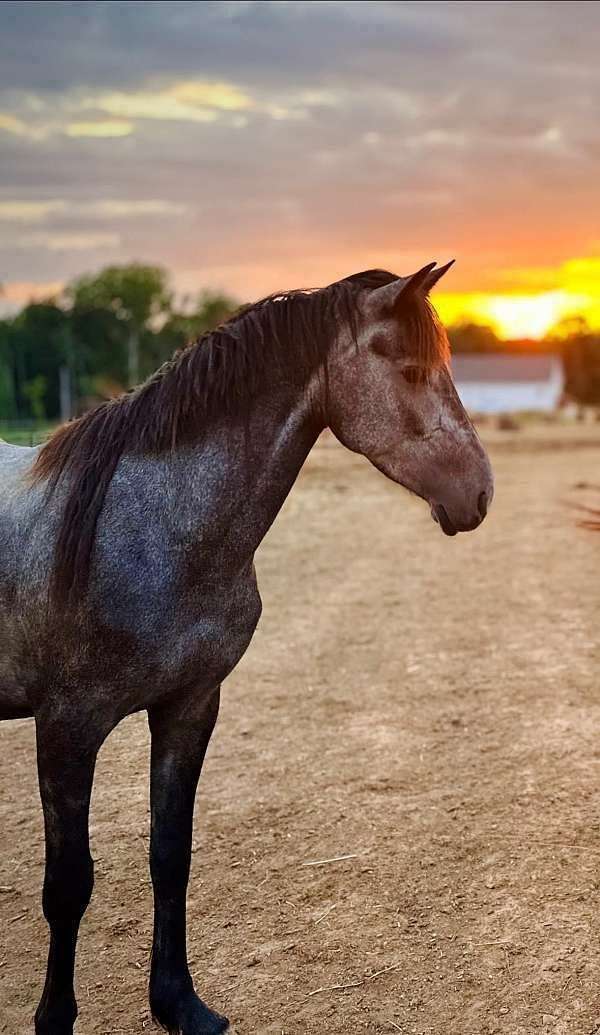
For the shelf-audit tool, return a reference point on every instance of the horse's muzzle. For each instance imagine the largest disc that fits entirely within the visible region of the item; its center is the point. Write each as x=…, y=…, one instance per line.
x=450, y=524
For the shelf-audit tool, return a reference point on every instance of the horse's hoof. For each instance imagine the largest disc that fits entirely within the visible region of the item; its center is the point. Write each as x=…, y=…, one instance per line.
x=187, y=1015
x=56, y=1029
x=57, y=1019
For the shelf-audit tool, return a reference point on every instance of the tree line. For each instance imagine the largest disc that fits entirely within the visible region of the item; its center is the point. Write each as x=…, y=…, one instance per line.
x=105, y=333
x=109, y=330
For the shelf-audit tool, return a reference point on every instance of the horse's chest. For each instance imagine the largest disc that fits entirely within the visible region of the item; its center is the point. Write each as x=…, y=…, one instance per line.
x=214, y=643
x=204, y=641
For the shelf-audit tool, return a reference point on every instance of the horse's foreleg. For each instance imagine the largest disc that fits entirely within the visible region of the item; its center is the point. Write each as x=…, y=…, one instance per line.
x=66, y=760
x=181, y=730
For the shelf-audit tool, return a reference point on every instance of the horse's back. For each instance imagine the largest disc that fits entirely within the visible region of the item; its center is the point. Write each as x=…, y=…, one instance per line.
x=16, y=497
x=15, y=461
x=16, y=515
x=17, y=501
x=25, y=524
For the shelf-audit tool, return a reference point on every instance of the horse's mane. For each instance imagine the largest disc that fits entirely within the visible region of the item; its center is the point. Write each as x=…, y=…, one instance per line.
x=281, y=337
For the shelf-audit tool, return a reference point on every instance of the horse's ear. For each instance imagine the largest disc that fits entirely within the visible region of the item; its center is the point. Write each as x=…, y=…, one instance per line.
x=391, y=297
x=435, y=275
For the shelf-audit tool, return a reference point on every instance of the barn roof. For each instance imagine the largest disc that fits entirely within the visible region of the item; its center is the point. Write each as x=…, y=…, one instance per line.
x=496, y=367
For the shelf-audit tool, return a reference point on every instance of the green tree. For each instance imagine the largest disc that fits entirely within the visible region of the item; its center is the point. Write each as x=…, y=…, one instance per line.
x=580, y=348
x=99, y=355
x=37, y=344
x=7, y=386
x=473, y=337
x=35, y=392
x=138, y=296
x=186, y=325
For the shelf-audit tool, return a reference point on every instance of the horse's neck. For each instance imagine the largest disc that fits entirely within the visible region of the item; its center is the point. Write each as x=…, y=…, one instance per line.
x=228, y=489
x=279, y=448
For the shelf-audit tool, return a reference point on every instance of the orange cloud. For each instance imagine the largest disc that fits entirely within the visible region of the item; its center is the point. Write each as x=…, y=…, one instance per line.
x=17, y=293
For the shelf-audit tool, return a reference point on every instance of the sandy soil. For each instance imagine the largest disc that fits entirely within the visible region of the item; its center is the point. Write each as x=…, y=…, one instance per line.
x=428, y=708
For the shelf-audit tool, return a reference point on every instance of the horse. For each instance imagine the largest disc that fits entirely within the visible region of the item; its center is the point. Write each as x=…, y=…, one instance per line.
x=127, y=578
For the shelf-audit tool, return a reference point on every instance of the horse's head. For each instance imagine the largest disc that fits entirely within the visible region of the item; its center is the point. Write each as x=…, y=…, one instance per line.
x=392, y=398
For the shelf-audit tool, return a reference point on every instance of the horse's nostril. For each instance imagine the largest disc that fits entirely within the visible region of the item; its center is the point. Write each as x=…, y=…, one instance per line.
x=482, y=504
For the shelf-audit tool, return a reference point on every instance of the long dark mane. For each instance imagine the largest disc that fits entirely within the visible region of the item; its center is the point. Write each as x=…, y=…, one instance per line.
x=282, y=336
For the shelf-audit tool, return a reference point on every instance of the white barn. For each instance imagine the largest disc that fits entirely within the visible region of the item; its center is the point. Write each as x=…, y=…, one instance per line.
x=507, y=383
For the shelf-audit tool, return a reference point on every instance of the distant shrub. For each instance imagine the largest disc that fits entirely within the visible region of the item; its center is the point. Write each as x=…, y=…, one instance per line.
x=506, y=422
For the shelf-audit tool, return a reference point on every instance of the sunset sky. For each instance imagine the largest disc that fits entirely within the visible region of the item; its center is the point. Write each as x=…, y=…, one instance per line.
x=258, y=146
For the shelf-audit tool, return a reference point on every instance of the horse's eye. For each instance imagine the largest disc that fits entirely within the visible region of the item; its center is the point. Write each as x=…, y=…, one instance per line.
x=414, y=375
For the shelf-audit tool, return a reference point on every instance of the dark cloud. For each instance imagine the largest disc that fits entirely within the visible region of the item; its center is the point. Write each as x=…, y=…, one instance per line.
x=390, y=129
x=50, y=46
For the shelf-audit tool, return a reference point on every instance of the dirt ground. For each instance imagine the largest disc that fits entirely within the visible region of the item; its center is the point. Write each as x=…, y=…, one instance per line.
x=428, y=709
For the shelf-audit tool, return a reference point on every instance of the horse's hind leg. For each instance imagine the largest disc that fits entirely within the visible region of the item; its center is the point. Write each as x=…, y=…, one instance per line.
x=66, y=760
x=181, y=730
